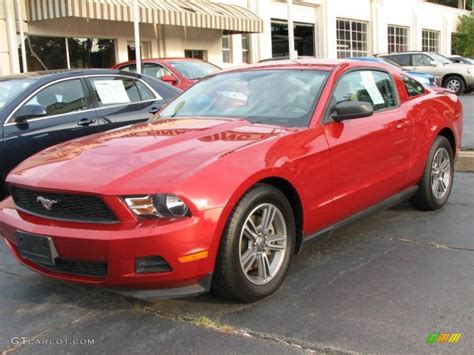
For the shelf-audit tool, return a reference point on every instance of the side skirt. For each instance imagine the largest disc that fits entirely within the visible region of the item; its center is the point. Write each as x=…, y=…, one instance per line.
x=383, y=205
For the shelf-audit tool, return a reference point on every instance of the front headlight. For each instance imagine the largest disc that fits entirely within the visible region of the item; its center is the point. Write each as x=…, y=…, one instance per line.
x=162, y=206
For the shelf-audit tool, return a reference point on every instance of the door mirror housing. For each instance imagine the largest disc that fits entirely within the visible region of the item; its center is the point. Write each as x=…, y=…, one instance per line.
x=348, y=110
x=433, y=63
x=170, y=79
x=29, y=111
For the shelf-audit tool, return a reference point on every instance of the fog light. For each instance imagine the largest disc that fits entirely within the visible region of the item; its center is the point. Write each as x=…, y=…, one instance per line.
x=151, y=264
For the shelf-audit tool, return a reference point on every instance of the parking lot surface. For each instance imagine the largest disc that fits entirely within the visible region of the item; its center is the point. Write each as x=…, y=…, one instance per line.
x=381, y=285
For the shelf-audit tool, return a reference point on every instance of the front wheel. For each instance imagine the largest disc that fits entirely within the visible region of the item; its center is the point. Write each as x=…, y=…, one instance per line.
x=256, y=247
x=435, y=185
x=454, y=84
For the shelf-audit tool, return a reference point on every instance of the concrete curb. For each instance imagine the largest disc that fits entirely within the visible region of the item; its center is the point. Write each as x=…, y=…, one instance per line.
x=465, y=161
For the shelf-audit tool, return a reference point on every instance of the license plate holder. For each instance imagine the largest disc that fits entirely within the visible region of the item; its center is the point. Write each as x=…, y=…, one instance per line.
x=36, y=248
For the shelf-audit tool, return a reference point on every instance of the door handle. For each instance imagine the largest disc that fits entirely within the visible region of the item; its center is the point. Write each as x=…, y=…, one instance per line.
x=85, y=122
x=154, y=109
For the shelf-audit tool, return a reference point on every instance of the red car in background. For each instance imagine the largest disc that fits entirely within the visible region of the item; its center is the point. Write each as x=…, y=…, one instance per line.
x=233, y=177
x=179, y=72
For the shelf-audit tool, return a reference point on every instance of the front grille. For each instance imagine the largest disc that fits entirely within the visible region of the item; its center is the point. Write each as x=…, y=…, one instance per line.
x=81, y=268
x=79, y=208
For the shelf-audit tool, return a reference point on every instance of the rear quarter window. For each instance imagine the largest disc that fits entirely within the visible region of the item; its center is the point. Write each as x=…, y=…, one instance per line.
x=413, y=87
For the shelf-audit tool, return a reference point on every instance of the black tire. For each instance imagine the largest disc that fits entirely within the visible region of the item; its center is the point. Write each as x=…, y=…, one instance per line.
x=459, y=84
x=229, y=280
x=425, y=198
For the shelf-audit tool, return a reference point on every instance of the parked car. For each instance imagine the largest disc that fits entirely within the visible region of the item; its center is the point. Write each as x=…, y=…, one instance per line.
x=40, y=109
x=461, y=60
x=179, y=72
x=233, y=178
x=457, y=78
x=424, y=78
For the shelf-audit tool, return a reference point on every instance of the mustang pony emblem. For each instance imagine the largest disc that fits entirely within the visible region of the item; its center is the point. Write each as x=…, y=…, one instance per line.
x=47, y=204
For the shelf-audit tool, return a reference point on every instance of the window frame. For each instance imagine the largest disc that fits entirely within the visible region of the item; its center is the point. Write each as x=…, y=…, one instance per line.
x=351, y=34
x=398, y=47
x=228, y=49
x=10, y=118
x=327, y=115
x=428, y=47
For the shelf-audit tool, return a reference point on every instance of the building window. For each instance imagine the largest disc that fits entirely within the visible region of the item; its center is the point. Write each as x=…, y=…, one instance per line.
x=304, y=38
x=145, y=50
x=48, y=53
x=226, y=47
x=245, y=49
x=397, y=39
x=430, y=41
x=195, y=53
x=351, y=38
x=91, y=52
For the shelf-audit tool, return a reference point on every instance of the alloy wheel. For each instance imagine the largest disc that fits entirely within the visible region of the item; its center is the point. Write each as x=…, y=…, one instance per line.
x=453, y=85
x=440, y=173
x=263, y=244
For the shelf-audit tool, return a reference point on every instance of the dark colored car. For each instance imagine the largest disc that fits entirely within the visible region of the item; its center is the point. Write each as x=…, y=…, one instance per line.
x=461, y=60
x=40, y=109
x=180, y=72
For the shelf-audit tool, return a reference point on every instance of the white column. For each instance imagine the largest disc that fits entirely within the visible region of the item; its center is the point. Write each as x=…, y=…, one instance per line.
x=236, y=49
x=328, y=27
x=265, y=38
x=136, y=31
x=22, y=35
x=11, y=35
x=291, y=30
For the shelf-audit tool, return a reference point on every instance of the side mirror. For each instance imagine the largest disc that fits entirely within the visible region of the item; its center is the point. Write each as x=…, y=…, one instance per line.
x=29, y=111
x=433, y=63
x=170, y=79
x=348, y=110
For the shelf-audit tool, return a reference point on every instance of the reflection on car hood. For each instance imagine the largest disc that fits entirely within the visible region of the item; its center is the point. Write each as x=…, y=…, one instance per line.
x=118, y=161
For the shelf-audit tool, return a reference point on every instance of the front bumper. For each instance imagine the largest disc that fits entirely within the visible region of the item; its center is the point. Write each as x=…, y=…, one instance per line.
x=118, y=246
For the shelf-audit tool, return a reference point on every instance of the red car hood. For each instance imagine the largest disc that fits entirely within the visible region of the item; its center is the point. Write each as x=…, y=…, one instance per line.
x=139, y=158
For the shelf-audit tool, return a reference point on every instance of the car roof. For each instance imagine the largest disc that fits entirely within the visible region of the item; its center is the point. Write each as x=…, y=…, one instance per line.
x=313, y=63
x=65, y=73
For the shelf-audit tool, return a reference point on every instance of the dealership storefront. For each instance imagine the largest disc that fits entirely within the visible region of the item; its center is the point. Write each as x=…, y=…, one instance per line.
x=100, y=33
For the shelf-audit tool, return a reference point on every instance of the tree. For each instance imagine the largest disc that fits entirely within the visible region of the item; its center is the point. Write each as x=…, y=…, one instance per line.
x=464, y=38
x=461, y=4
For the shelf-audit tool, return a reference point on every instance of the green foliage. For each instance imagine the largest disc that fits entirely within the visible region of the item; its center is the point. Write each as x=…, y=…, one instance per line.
x=453, y=3
x=463, y=40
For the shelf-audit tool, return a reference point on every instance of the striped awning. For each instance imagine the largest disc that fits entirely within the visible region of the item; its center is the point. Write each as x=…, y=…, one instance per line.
x=191, y=13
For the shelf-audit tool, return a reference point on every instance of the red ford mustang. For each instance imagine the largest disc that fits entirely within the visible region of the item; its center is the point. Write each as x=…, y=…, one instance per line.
x=232, y=178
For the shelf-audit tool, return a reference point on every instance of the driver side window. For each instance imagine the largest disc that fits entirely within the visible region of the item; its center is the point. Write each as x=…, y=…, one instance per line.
x=155, y=70
x=421, y=60
x=60, y=98
x=374, y=87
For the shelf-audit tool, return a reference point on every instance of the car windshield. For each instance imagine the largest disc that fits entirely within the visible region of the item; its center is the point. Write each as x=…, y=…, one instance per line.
x=279, y=97
x=469, y=60
x=439, y=58
x=10, y=88
x=193, y=69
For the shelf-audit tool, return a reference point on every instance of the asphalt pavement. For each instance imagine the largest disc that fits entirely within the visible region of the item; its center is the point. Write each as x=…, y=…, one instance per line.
x=379, y=286
x=468, y=135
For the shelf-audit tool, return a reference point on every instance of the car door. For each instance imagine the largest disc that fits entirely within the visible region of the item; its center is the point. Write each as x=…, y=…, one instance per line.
x=424, y=63
x=122, y=100
x=67, y=114
x=370, y=155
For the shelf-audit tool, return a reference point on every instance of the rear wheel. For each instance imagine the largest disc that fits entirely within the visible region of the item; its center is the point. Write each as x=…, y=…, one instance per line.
x=435, y=185
x=455, y=84
x=256, y=247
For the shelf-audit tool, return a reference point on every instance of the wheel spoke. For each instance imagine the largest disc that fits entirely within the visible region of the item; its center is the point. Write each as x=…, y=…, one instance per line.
x=442, y=185
x=444, y=165
x=248, y=258
x=436, y=186
x=263, y=266
x=250, y=230
x=267, y=218
x=273, y=240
